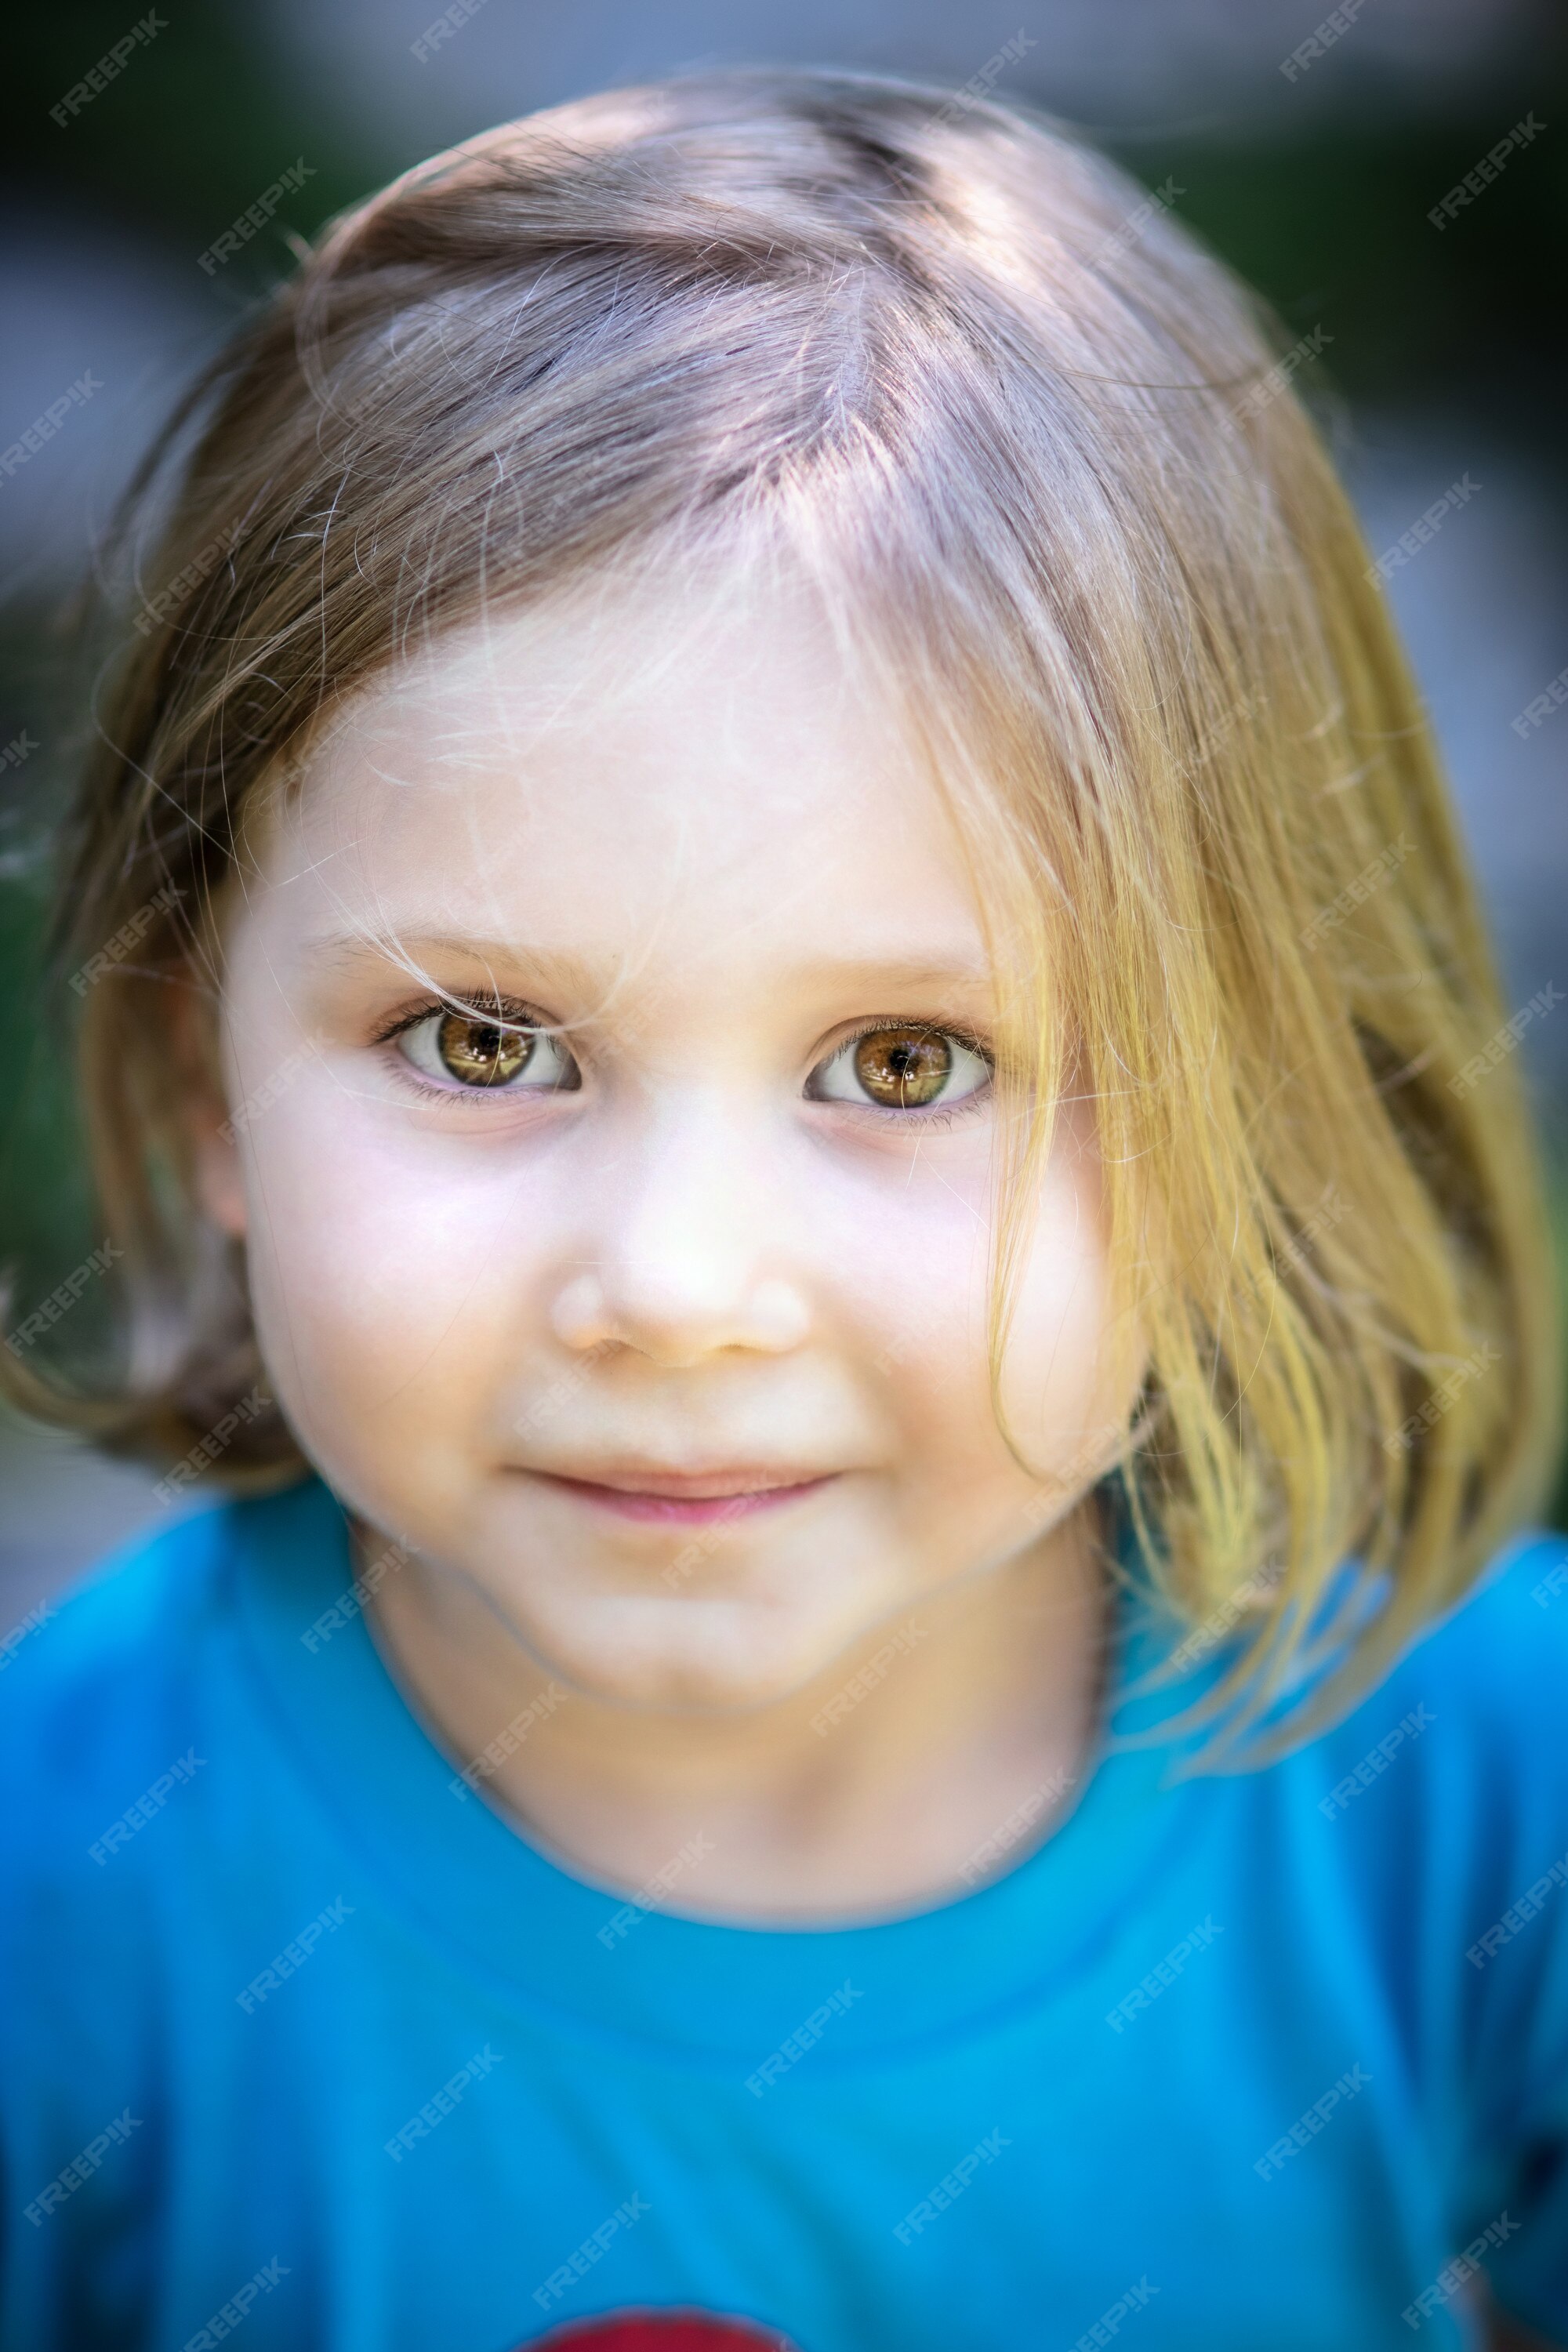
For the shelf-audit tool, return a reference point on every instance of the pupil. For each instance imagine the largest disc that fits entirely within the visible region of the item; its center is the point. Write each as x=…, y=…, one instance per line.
x=903, y=1066
x=481, y=1053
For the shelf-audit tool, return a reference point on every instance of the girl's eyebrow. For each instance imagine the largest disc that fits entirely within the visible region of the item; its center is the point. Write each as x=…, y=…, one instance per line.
x=352, y=948
x=879, y=973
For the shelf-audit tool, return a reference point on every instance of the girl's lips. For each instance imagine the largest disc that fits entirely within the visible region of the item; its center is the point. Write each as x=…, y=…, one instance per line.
x=691, y=1507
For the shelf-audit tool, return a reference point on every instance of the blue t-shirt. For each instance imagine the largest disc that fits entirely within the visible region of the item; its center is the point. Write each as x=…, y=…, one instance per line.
x=298, y=2038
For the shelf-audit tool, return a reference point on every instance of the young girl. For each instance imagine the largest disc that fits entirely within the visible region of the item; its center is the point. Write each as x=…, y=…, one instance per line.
x=806, y=1112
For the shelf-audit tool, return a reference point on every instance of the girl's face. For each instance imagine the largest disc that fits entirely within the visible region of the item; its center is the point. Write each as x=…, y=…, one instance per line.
x=640, y=1275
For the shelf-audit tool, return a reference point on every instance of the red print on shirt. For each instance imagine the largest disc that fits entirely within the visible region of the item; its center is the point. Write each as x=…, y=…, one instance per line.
x=663, y=2331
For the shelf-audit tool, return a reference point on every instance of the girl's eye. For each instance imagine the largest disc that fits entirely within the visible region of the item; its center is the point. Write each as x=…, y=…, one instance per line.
x=480, y=1050
x=902, y=1067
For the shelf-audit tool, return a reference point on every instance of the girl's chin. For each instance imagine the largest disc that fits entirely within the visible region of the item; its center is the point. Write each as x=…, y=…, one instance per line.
x=701, y=1663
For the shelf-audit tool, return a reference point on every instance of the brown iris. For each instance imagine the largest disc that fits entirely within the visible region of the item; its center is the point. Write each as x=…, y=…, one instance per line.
x=903, y=1067
x=483, y=1053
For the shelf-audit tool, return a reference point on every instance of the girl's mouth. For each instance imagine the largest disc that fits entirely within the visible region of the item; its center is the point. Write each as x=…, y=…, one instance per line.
x=696, y=1500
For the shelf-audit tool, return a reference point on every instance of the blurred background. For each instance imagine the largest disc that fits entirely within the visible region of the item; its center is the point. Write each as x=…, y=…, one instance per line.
x=1310, y=144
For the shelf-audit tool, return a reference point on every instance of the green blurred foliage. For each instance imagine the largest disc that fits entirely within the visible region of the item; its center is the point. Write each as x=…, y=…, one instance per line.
x=200, y=120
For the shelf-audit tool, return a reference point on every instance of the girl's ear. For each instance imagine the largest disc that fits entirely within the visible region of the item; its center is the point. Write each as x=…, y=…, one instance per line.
x=209, y=1132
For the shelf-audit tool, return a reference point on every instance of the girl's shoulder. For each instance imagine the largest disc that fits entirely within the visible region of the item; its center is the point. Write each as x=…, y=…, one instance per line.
x=152, y=1599
x=151, y=1596
x=1481, y=1691
x=1458, y=1754
x=95, y=1682
x=1505, y=1643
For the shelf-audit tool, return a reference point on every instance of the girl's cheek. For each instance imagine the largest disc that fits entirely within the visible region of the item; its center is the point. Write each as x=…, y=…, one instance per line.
x=1074, y=1364
x=898, y=1267
x=370, y=1268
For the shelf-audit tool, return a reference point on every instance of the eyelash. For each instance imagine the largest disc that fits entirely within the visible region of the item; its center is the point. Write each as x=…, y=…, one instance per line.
x=510, y=1012
x=513, y=1012
x=939, y=1117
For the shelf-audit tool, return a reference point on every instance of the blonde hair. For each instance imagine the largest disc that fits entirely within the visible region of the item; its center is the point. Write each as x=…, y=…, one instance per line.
x=1036, y=446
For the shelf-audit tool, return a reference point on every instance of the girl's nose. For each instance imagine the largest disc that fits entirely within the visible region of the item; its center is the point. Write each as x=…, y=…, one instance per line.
x=687, y=1256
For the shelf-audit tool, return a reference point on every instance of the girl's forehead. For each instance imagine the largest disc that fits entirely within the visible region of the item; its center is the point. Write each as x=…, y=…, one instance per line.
x=628, y=693
x=692, y=767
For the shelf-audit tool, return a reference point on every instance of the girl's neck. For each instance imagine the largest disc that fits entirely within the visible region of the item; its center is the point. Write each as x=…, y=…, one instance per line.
x=924, y=1761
